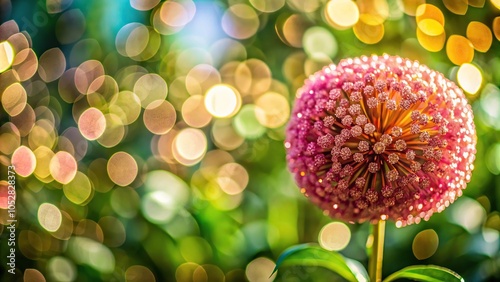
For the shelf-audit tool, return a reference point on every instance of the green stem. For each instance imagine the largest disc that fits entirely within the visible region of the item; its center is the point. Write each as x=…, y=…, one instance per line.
x=377, y=255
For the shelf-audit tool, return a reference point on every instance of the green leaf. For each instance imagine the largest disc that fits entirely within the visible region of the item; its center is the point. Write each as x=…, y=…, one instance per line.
x=314, y=255
x=358, y=269
x=430, y=273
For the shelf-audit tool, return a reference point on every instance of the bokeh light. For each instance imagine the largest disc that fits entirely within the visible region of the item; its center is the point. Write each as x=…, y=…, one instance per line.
x=246, y=123
x=92, y=124
x=342, y=14
x=25, y=64
x=49, y=216
x=159, y=117
x=43, y=156
x=172, y=16
x=259, y=269
x=468, y=213
x=222, y=101
x=91, y=253
x=292, y=29
x=86, y=73
x=167, y=195
x=240, y=21
x=63, y=167
x=24, y=161
x=79, y=189
x=32, y=274
x=132, y=40
x=319, y=43
x=114, y=131
x=459, y=49
x=232, y=178
x=6, y=55
x=430, y=27
x=125, y=202
x=456, y=7
x=429, y=11
x=144, y=5
x=431, y=33
x=122, y=168
x=139, y=273
x=52, y=65
x=189, y=146
x=496, y=27
x=194, y=112
x=150, y=88
x=126, y=105
x=495, y=3
x=225, y=136
x=493, y=160
x=373, y=12
x=267, y=6
x=469, y=78
x=425, y=244
x=61, y=269
x=480, y=36
x=367, y=33
x=410, y=6
x=490, y=100
x=14, y=99
x=334, y=236
x=272, y=110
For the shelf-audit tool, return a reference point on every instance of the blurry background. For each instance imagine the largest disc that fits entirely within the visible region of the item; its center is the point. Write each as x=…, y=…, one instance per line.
x=153, y=134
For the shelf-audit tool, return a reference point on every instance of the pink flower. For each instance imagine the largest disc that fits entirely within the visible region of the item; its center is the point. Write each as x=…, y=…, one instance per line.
x=381, y=137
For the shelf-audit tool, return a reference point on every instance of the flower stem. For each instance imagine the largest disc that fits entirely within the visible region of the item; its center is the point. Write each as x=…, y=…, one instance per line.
x=377, y=255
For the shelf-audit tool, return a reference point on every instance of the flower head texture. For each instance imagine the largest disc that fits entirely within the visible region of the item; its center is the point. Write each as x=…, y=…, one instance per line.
x=381, y=137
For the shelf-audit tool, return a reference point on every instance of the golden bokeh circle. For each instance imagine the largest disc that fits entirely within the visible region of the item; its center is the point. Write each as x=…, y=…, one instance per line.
x=14, y=99
x=459, y=49
x=367, y=33
x=272, y=110
x=334, y=236
x=159, y=117
x=122, y=168
x=480, y=36
x=43, y=156
x=63, y=167
x=431, y=43
x=496, y=27
x=341, y=14
x=428, y=11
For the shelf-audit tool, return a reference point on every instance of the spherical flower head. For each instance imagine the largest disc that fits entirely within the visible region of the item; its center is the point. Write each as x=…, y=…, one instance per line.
x=381, y=137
